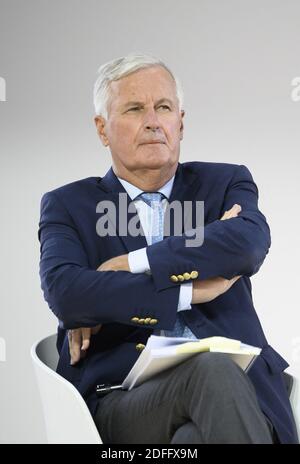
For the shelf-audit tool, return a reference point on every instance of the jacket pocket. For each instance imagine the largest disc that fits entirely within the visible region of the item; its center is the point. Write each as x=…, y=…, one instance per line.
x=275, y=362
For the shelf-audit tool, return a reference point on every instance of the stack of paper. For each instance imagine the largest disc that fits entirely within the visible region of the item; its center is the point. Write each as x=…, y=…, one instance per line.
x=160, y=353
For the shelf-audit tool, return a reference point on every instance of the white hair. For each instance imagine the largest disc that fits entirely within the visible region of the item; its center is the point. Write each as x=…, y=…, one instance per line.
x=121, y=67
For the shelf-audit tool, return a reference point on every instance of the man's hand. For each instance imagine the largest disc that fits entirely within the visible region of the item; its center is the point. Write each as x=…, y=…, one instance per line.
x=118, y=263
x=203, y=291
x=208, y=289
x=231, y=213
x=79, y=341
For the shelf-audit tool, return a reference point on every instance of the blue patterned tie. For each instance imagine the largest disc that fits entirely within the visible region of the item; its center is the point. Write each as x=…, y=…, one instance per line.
x=154, y=200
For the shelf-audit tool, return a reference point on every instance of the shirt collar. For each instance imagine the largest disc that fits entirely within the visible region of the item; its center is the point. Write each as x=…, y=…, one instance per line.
x=134, y=191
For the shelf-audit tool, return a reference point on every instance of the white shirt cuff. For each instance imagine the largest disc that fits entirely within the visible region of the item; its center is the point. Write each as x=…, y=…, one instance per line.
x=138, y=261
x=185, y=296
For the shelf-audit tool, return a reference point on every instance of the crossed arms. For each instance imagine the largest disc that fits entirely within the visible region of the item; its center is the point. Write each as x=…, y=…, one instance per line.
x=82, y=297
x=202, y=292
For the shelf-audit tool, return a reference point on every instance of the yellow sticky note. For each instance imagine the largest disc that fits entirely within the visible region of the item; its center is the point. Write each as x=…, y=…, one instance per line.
x=210, y=343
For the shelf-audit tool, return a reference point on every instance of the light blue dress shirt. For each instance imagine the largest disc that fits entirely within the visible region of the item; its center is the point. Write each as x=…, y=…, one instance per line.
x=138, y=260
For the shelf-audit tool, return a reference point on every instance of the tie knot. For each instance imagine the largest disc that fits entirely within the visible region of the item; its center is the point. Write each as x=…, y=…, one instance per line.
x=151, y=197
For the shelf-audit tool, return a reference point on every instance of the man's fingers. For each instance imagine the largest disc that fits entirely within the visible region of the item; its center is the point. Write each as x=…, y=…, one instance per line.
x=234, y=279
x=86, y=335
x=236, y=208
x=225, y=284
x=232, y=212
x=74, y=337
x=76, y=344
x=79, y=341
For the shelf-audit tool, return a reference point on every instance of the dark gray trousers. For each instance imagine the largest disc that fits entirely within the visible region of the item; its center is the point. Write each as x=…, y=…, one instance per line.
x=205, y=399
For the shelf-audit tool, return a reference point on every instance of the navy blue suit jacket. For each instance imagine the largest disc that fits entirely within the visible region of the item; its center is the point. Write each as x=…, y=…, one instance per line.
x=80, y=296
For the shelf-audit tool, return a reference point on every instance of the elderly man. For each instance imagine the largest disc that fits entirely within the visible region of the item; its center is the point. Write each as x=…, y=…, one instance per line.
x=111, y=291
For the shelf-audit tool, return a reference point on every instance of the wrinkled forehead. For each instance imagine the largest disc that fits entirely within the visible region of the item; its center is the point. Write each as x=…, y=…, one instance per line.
x=153, y=83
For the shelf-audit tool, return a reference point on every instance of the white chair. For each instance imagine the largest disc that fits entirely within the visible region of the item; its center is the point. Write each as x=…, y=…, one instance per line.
x=295, y=401
x=67, y=417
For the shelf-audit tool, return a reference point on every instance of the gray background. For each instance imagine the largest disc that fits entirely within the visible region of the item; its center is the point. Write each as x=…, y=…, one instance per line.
x=236, y=60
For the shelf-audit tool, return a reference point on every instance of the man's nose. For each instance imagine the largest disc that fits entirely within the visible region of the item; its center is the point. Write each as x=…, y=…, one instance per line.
x=151, y=121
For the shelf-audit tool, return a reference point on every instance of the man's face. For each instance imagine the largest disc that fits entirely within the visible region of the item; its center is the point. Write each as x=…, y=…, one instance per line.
x=144, y=125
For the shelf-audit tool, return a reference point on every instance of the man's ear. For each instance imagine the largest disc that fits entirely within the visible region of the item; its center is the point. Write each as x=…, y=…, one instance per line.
x=100, y=125
x=182, y=112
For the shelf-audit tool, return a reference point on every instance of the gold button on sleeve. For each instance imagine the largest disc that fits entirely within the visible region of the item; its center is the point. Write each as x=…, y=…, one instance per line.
x=153, y=321
x=174, y=278
x=194, y=274
x=186, y=276
x=135, y=319
x=180, y=278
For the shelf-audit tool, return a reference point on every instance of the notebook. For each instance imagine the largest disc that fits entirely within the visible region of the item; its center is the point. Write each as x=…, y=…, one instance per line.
x=161, y=353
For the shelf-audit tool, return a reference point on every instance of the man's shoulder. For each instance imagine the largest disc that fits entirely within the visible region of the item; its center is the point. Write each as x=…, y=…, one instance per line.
x=209, y=170
x=75, y=187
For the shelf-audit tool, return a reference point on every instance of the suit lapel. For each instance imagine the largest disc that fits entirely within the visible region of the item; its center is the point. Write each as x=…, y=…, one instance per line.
x=184, y=188
x=112, y=188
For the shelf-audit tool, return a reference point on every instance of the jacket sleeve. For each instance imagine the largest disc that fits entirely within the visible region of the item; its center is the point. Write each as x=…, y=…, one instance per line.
x=236, y=246
x=83, y=297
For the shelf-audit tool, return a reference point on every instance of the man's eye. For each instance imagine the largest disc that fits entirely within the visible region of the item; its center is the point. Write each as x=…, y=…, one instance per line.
x=164, y=106
x=133, y=109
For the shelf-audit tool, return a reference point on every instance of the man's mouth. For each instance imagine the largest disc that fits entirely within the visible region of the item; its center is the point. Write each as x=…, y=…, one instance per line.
x=153, y=143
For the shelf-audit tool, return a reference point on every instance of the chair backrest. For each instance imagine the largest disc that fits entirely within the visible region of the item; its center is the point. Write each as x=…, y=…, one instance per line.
x=295, y=402
x=67, y=417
